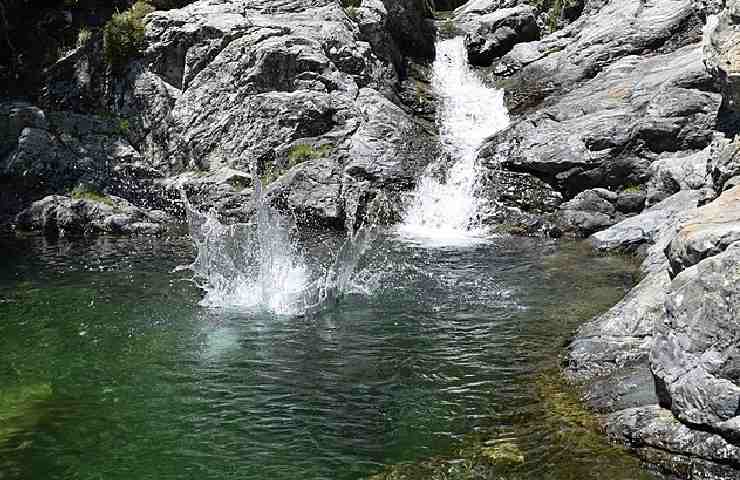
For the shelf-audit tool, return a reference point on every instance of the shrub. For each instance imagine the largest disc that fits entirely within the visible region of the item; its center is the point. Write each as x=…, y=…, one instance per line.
x=297, y=154
x=83, y=36
x=351, y=3
x=85, y=192
x=123, y=35
x=302, y=152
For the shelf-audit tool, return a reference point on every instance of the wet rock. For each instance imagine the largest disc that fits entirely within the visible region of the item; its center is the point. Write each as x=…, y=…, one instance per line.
x=709, y=231
x=312, y=190
x=694, y=356
x=495, y=34
x=91, y=213
x=660, y=439
x=596, y=209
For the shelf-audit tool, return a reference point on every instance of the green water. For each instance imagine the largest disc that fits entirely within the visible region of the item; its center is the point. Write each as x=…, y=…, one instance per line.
x=443, y=365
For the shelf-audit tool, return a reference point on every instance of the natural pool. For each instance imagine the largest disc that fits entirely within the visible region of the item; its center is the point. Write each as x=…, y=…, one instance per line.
x=443, y=362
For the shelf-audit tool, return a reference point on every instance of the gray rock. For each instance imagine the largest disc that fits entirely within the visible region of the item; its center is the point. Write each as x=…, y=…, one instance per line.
x=709, y=231
x=621, y=337
x=312, y=190
x=495, y=34
x=61, y=215
x=648, y=227
x=676, y=171
x=589, y=212
x=608, y=132
x=721, y=36
x=602, y=35
x=725, y=166
x=660, y=439
x=694, y=356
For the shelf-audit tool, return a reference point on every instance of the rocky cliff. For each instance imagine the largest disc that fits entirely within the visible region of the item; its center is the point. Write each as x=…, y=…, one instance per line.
x=320, y=100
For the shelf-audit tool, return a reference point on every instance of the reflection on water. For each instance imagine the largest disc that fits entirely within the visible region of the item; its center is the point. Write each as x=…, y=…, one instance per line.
x=131, y=378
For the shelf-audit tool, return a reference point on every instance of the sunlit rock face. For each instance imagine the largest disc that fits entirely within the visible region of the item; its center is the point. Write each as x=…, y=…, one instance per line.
x=260, y=88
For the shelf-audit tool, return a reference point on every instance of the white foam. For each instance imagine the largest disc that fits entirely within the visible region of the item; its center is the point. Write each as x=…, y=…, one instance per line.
x=444, y=212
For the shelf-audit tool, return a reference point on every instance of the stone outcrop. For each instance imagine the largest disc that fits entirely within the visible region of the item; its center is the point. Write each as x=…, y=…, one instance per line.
x=62, y=215
x=662, y=361
x=496, y=33
x=608, y=132
x=231, y=89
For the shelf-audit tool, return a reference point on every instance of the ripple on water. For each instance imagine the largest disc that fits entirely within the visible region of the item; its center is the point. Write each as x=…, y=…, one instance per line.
x=447, y=363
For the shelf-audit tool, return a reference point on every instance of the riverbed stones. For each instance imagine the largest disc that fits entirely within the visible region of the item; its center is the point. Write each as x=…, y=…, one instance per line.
x=495, y=34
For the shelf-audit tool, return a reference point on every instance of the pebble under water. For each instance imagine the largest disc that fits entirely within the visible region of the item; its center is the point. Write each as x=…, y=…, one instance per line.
x=442, y=364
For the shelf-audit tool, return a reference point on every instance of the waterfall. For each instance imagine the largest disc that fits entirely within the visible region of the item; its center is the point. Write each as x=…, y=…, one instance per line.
x=259, y=265
x=444, y=210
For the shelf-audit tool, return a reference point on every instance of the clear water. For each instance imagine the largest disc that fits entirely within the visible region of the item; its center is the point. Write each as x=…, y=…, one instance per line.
x=109, y=368
x=443, y=210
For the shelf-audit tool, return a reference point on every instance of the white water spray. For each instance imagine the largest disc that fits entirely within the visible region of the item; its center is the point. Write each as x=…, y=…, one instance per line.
x=258, y=264
x=444, y=212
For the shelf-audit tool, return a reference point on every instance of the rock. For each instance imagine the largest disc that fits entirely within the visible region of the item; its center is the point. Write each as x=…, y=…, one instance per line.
x=609, y=131
x=709, y=231
x=604, y=34
x=649, y=226
x=674, y=172
x=621, y=337
x=662, y=440
x=60, y=215
x=695, y=355
x=387, y=152
x=312, y=190
x=495, y=34
x=596, y=209
x=720, y=51
x=725, y=166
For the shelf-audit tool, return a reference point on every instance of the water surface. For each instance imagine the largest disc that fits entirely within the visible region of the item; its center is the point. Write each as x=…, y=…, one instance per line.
x=109, y=369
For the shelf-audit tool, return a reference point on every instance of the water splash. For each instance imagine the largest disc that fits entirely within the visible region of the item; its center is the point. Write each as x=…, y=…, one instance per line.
x=444, y=211
x=259, y=265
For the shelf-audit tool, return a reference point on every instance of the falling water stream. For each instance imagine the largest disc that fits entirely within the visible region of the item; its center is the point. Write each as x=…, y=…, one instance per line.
x=323, y=357
x=443, y=211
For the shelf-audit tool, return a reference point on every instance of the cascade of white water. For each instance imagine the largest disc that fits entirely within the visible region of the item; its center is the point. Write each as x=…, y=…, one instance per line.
x=444, y=211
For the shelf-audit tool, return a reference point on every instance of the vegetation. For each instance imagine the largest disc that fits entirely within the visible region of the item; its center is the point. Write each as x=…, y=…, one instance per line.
x=297, y=154
x=83, y=36
x=84, y=192
x=123, y=35
x=447, y=27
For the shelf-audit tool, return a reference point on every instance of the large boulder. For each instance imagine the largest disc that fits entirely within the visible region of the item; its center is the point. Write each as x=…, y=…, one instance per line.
x=609, y=131
x=495, y=34
x=695, y=355
x=709, y=231
x=89, y=213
